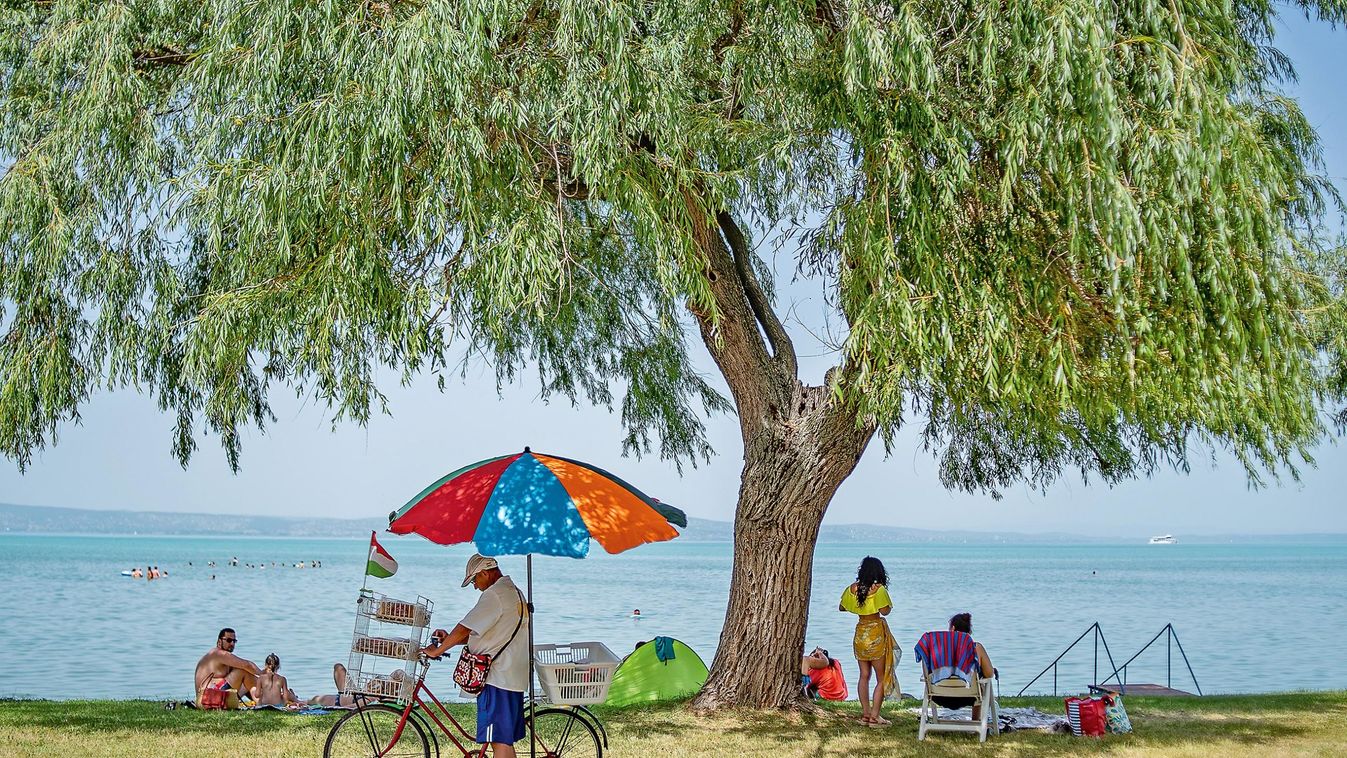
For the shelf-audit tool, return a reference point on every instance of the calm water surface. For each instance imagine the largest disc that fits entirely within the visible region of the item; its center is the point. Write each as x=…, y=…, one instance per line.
x=72, y=627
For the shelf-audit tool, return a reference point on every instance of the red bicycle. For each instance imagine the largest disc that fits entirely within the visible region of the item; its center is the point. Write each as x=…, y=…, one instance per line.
x=380, y=729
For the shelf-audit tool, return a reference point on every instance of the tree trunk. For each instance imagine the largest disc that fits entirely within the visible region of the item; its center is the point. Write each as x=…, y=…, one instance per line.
x=790, y=475
x=800, y=444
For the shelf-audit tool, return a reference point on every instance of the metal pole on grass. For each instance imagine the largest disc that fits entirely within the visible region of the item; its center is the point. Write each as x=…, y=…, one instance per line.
x=1095, y=680
x=532, y=710
x=1169, y=656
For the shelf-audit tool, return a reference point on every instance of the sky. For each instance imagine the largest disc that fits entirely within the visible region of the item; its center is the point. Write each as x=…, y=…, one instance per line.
x=119, y=457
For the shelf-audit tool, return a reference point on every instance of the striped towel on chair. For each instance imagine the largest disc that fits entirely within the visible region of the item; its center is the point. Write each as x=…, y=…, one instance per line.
x=948, y=654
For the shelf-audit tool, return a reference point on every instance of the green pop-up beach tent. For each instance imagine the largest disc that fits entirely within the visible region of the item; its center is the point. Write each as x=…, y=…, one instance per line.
x=643, y=677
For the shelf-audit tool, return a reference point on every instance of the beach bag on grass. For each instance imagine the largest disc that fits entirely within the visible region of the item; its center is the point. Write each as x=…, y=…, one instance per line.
x=1115, y=715
x=472, y=669
x=213, y=699
x=1086, y=716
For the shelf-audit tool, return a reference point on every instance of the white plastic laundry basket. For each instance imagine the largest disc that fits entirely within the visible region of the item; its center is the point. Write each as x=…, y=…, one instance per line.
x=575, y=674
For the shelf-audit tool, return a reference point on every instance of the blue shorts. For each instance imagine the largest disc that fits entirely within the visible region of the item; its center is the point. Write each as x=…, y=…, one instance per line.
x=500, y=716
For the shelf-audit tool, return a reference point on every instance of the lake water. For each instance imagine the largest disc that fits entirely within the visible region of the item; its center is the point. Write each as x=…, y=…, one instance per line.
x=72, y=627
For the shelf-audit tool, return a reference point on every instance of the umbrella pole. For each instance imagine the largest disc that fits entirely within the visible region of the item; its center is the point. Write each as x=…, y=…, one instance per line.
x=532, y=741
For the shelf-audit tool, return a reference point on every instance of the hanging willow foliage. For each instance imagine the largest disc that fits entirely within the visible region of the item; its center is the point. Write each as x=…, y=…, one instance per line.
x=1065, y=235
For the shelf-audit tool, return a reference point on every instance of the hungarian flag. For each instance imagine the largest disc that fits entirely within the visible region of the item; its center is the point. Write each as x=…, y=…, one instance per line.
x=381, y=564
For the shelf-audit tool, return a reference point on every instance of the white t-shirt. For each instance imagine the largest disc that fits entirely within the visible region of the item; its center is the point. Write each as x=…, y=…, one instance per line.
x=491, y=622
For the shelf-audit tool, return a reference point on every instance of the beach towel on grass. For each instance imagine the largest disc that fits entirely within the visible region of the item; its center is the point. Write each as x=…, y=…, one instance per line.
x=948, y=654
x=307, y=710
x=1013, y=719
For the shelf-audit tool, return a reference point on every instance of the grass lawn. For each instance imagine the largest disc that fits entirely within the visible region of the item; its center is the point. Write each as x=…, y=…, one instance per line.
x=1252, y=725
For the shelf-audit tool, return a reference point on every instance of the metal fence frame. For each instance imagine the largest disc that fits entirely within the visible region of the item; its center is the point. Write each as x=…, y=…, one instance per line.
x=1098, y=638
x=1171, y=641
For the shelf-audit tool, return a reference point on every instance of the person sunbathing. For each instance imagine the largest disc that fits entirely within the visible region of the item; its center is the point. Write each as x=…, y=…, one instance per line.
x=220, y=669
x=339, y=700
x=271, y=687
x=821, y=675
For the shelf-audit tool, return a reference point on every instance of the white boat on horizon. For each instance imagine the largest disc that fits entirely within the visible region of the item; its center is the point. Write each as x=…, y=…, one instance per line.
x=1164, y=539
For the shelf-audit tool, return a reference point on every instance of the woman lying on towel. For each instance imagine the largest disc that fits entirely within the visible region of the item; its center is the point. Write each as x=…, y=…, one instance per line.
x=873, y=644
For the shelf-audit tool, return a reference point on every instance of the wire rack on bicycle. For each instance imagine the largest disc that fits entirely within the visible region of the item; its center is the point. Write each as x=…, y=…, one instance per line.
x=401, y=648
x=381, y=608
x=392, y=686
x=387, y=631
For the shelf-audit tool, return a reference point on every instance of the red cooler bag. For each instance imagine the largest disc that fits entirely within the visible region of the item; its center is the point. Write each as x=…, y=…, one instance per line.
x=1086, y=715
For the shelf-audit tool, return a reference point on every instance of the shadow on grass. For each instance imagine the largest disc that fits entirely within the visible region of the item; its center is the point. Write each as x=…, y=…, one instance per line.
x=1251, y=704
x=151, y=716
x=834, y=732
x=1257, y=725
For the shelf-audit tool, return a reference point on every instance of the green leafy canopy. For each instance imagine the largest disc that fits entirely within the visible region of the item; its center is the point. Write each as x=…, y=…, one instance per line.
x=1065, y=234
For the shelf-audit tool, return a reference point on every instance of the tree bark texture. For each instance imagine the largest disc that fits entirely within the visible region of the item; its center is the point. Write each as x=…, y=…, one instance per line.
x=790, y=475
x=800, y=444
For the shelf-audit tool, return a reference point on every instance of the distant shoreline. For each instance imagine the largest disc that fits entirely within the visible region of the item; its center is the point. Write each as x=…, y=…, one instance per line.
x=237, y=536
x=1326, y=540
x=69, y=522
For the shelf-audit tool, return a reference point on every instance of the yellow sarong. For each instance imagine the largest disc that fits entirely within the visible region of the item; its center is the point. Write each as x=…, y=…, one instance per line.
x=875, y=643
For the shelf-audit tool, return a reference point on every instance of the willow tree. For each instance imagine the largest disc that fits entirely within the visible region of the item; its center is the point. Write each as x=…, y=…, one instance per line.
x=1068, y=236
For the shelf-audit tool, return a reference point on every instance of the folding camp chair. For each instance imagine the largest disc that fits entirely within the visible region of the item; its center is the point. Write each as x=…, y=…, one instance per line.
x=977, y=688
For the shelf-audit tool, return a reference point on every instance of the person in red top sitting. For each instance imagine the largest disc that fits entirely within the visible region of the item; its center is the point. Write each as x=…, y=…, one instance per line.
x=822, y=676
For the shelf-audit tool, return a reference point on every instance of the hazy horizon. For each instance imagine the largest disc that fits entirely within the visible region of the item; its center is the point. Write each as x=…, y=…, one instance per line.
x=727, y=523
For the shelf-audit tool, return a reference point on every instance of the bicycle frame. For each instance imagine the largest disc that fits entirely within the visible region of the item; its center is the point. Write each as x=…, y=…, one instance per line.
x=468, y=745
x=465, y=747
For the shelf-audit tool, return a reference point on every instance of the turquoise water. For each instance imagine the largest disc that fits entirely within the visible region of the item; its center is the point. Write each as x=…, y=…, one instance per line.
x=72, y=627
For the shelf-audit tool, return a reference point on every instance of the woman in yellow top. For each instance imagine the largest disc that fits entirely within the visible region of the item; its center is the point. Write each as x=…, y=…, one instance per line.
x=873, y=644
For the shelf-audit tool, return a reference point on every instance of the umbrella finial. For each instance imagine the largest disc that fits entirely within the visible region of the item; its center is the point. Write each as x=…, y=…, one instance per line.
x=526, y=449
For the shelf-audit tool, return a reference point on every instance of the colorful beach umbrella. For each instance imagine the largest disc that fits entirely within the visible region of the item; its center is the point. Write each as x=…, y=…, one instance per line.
x=529, y=503
x=534, y=503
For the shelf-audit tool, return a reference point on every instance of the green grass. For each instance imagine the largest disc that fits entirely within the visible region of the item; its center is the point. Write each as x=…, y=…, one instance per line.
x=1240, y=725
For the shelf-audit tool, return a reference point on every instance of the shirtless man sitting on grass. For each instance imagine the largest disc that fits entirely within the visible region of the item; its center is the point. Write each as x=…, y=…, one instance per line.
x=221, y=669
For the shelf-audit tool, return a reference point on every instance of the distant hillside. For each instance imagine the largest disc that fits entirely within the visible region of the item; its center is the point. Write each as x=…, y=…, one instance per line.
x=51, y=520
x=705, y=530
x=43, y=519
x=29, y=518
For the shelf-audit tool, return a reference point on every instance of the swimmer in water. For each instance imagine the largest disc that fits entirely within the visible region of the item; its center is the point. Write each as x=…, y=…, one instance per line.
x=636, y=613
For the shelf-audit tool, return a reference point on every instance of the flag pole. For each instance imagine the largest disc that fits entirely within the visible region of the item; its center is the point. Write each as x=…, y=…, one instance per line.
x=364, y=586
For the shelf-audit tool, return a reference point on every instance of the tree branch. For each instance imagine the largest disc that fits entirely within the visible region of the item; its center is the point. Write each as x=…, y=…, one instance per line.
x=782, y=349
x=163, y=55
x=831, y=15
x=731, y=35
x=760, y=387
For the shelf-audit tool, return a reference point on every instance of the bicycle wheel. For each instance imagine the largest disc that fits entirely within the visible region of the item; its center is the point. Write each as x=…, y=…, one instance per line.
x=560, y=733
x=369, y=731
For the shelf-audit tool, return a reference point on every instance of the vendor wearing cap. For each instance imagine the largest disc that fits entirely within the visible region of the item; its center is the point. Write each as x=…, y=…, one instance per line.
x=492, y=627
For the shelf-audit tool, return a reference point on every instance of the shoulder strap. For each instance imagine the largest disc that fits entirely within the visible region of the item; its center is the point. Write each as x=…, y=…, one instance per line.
x=517, y=624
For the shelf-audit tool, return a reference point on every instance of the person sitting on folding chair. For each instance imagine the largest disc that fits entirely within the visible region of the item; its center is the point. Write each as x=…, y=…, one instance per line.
x=963, y=622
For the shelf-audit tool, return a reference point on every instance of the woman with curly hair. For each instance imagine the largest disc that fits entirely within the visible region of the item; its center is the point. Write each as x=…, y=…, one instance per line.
x=873, y=644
